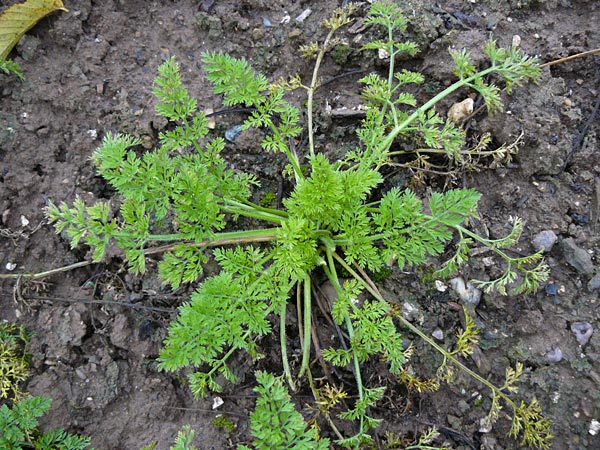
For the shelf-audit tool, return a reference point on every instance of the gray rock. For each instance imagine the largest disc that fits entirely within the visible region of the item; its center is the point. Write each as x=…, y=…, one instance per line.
x=583, y=332
x=121, y=333
x=71, y=328
x=544, y=240
x=27, y=46
x=468, y=293
x=554, y=355
x=594, y=283
x=577, y=257
x=211, y=24
x=412, y=312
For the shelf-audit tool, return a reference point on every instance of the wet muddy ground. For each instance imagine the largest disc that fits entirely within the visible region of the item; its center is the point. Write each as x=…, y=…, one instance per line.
x=98, y=330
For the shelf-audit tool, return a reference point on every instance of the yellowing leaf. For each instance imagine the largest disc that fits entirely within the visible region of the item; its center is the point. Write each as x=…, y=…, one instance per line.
x=20, y=18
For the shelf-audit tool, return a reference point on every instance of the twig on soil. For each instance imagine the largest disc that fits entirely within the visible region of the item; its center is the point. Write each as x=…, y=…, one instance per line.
x=148, y=251
x=342, y=75
x=568, y=58
x=45, y=273
x=99, y=302
x=212, y=411
x=452, y=434
x=14, y=235
x=579, y=137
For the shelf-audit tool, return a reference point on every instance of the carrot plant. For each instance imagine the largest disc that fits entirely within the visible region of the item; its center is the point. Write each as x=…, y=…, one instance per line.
x=337, y=216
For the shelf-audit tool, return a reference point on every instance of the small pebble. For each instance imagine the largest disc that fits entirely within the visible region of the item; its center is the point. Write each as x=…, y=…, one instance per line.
x=165, y=53
x=551, y=289
x=206, y=5
x=147, y=142
x=583, y=332
x=461, y=110
x=24, y=221
x=139, y=54
x=440, y=286
x=577, y=257
x=544, y=240
x=303, y=15
x=286, y=18
x=217, y=401
x=10, y=266
x=467, y=292
x=488, y=261
x=383, y=54
x=438, y=334
x=412, y=312
x=232, y=133
x=266, y=22
x=485, y=426
x=580, y=219
x=594, y=283
x=594, y=427
x=554, y=355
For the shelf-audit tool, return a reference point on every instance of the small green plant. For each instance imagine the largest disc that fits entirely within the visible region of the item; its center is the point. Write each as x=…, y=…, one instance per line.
x=183, y=441
x=335, y=218
x=424, y=442
x=19, y=411
x=18, y=428
x=224, y=423
x=14, y=368
x=275, y=421
x=10, y=67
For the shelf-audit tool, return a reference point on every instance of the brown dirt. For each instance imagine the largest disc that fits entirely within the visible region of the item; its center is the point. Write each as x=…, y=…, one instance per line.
x=90, y=72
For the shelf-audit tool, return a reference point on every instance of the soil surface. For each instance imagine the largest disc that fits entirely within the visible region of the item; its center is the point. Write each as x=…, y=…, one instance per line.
x=98, y=329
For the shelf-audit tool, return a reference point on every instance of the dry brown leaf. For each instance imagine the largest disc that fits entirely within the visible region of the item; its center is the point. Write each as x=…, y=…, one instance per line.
x=20, y=18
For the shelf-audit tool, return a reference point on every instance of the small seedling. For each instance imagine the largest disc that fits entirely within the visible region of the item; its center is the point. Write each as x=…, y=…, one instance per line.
x=10, y=67
x=336, y=217
x=19, y=412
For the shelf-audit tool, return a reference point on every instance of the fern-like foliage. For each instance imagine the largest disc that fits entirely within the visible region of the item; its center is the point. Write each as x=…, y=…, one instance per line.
x=18, y=428
x=229, y=311
x=193, y=188
x=336, y=213
x=60, y=439
x=13, y=360
x=275, y=422
x=184, y=439
x=235, y=79
x=19, y=422
x=10, y=67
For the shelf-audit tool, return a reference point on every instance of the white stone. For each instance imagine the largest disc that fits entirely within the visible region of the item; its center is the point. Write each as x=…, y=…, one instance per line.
x=217, y=401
